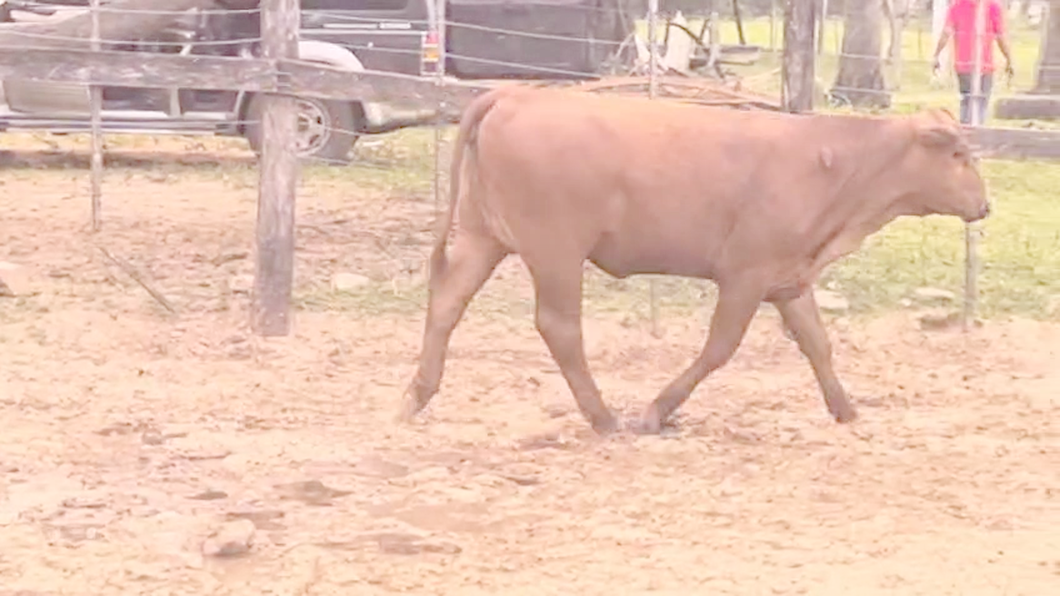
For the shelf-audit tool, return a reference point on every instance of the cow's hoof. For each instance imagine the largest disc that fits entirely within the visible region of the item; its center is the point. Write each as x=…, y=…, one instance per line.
x=648, y=423
x=605, y=425
x=844, y=414
x=410, y=407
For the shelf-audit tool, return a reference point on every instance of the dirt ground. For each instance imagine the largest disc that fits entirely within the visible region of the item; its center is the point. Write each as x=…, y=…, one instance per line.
x=130, y=435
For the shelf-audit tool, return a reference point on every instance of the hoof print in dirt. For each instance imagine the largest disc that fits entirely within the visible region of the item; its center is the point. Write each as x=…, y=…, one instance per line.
x=557, y=410
x=209, y=495
x=311, y=492
x=152, y=436
x=410, y=544
x=232, y=539
x=377, y=467
x=743, y=437
x=543, y=441
x=521, y=480
x=265, y=519
x=121, y=428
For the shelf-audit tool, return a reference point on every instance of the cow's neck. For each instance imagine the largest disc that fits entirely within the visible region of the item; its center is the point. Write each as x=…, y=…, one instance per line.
x=867, y=207
x=850, y=236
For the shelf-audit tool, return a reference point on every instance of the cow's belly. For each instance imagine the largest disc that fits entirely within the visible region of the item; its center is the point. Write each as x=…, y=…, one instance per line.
x=623, y=255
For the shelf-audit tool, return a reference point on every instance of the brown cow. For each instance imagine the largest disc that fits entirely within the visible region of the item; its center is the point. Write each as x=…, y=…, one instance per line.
x=759, y=202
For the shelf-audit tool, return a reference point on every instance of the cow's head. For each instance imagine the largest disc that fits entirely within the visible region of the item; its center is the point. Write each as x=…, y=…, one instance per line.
x=947, y=175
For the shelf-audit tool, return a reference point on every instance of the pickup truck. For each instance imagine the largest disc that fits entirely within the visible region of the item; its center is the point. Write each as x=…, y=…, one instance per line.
x=540, y=39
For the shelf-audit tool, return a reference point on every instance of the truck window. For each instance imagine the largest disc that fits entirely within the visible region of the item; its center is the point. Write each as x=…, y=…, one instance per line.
x=354, y=4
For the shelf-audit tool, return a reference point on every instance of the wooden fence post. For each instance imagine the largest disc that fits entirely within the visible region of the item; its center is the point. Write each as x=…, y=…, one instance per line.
x=653, y=83
x=971, y=232
x=96, y=123
x=277, y=179
x=822, y=20
x=797, y=69
x=441, y=24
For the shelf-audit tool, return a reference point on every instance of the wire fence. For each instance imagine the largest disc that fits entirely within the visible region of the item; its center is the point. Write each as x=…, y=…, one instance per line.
x=914, y=263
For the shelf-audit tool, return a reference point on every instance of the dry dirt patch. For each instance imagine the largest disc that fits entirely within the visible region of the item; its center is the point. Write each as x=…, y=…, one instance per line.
x=132, y=435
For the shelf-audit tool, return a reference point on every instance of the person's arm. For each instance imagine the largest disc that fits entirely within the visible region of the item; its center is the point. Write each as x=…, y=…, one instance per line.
x=944, y=38
x=1001, y=35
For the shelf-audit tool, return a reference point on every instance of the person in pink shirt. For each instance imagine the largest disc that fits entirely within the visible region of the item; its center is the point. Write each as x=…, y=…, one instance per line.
x=960, y=25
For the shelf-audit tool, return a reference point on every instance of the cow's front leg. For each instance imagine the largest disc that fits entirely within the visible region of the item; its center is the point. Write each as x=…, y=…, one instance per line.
x=803, y=318
x=737, y=305
x=559, y=295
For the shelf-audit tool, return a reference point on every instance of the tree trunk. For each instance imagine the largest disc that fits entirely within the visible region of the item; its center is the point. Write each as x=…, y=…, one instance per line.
x=73, y=32
x=895, y=24
x=860, y=80
x=1049, y=68
x=797, y=66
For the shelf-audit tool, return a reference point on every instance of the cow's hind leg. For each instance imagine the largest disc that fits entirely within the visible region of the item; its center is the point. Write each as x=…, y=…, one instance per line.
x=558, y=319
x=737, y=305
x=471, y=261
x=803, y=318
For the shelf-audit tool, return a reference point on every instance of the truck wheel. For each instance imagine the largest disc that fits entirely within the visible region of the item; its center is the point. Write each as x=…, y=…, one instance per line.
x=325, y=128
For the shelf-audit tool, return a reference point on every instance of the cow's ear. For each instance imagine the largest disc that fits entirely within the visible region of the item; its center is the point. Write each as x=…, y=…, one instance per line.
x=939, y=137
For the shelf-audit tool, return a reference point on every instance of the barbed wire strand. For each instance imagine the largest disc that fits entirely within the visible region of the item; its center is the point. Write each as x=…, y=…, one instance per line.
x=146, y=11
x=117, y=124
x=108, y=40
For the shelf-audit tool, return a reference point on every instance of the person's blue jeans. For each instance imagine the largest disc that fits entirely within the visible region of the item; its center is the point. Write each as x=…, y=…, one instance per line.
x=964, y=83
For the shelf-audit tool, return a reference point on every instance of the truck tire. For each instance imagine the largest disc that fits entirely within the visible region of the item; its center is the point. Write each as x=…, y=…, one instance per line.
x=326, y=128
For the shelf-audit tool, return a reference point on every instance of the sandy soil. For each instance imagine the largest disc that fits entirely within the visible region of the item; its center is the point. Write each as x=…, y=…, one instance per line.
x=130, y=434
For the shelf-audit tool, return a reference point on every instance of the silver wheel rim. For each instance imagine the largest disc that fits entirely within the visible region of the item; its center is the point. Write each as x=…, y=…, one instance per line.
x=313, y=127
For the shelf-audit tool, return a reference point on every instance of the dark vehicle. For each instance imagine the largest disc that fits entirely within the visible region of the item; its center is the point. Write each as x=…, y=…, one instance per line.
x=545, y=39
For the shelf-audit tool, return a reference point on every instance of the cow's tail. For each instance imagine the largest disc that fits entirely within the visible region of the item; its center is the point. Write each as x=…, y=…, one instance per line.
x=460, y=172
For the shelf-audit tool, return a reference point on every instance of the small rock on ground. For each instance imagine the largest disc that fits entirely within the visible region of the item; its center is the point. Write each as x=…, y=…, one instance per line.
x=230, y=540
x=939, y=319
x=830, y=301
x=344, y=282
x=934, y=295
x=14, y=280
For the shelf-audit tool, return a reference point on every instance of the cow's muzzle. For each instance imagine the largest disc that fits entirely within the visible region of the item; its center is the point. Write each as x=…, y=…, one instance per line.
x=984, y=212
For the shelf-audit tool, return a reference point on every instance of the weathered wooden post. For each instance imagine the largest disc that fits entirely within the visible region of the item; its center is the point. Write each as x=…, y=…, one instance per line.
x=277, y=180
x=773, y=25
x=971, y=233
x=653, y=24
x=441, y=25
x=821, y=22
x=715, y=42
x=96, y=121
x=797, y=68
